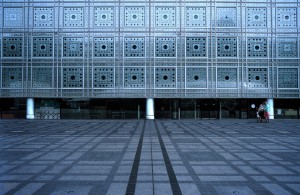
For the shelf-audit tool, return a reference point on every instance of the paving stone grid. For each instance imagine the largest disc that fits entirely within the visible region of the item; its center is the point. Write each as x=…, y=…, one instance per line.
x=149, y=157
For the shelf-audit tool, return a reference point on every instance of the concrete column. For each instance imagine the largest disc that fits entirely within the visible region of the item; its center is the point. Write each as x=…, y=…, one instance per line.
x=30, y=108
x=150, y=108
x=271, y=104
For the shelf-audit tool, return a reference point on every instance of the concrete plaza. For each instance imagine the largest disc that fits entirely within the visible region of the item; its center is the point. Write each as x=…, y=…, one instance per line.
x=158, y=157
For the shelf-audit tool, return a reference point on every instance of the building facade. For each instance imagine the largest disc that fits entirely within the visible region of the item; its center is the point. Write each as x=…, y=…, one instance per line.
x=100, y=56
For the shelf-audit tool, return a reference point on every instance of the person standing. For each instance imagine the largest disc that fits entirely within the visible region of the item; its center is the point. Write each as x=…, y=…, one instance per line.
x=260, y=112
x=266, y=111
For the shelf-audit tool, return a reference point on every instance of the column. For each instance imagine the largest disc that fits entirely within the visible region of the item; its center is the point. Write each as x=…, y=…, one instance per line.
x=271, y=104
x=30, y=108
x=150, y=108
x=139, y=112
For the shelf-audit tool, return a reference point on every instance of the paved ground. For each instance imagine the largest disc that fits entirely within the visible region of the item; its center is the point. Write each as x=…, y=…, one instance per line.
x=149, y=157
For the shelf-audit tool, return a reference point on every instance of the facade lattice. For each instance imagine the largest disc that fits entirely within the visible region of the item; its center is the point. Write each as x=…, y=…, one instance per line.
x=139, y=49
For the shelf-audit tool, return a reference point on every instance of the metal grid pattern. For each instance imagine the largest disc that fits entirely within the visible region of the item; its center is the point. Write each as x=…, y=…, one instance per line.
x=257, y=77
x=257, y=47
x=196, y=47
x=256, y=17
x=134, y=16
x=165, y=47
x=72, y=77
x=13, y=17
x=227, y=77
x=288, y=78
x=286, y=17
x=103, y=16
x=287, y=47
x=12, y=77
x=226, y=17
x=103, y=77
x=165, y=16
x=226, y=47
x=165, y=77
x=42, y=47
x=169, y=49
x=73, y=17
x=12, y=47
x=134, y=77
x=42, y=77
x=43, y=17
x=103, y=47
x=134, y=47
x=196, y=77
x=73, y=47
x=195, y=17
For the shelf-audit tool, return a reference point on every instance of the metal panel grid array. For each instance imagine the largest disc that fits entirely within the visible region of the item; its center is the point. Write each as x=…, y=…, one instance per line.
x=168, y=49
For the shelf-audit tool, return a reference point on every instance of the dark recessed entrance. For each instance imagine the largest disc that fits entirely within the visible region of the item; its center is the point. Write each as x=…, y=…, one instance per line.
x=209, y=109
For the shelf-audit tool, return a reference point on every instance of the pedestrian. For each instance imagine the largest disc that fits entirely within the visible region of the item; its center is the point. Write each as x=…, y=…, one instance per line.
x=266, y=111
x=260, y=113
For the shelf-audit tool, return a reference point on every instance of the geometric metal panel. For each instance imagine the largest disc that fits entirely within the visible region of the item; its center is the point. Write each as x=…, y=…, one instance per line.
x=286, y=17
x=41, y=77
x=134, y=77
x=42, y=47
x=165, y=77
x=288, y=78
x=72, y=77
x=13, y=17
x=103, y=77
x=257, y=78
x=104, y=16
x=227, y=78
x=165, y=16
x=195, y=17
x=256, y=17
x=11, y=77
x=257, y=47
x=134, y=47
x=43, y=17
x=287, y=48
x=103, y=47
x=12, y=47
x=73, y=47
x=134, y=16
x=73, y=16
x=226, y=47
x=165, y=47
x=196, y=77
x=196, y=47
x=216, y=45
x=226, y=17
